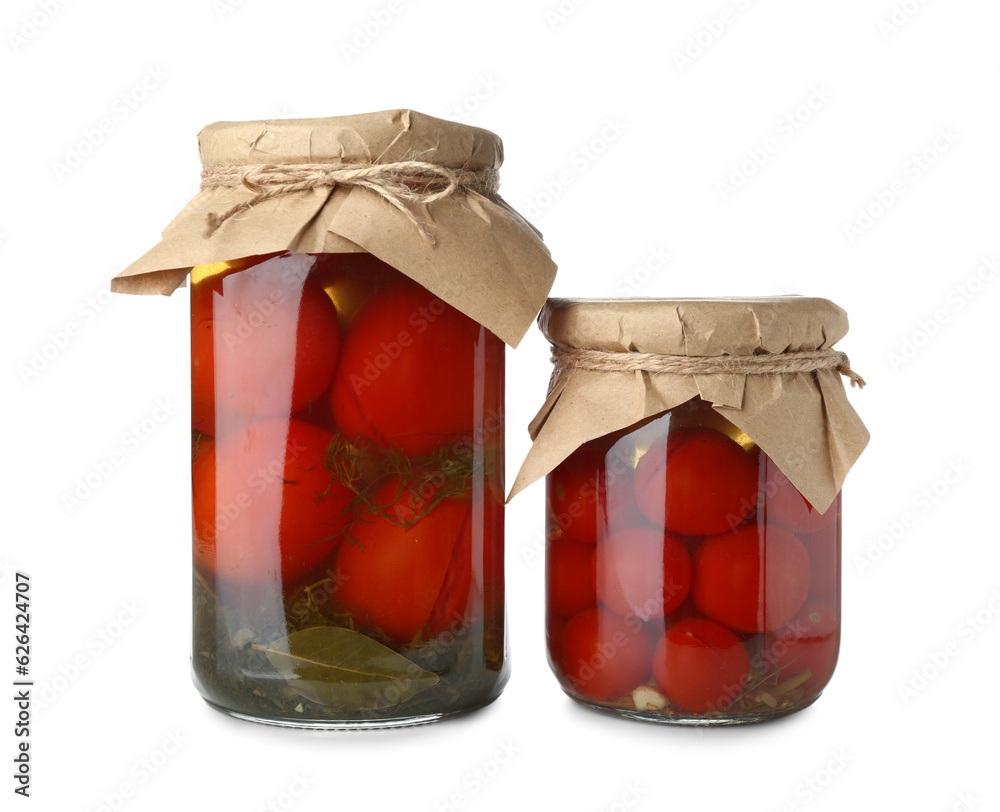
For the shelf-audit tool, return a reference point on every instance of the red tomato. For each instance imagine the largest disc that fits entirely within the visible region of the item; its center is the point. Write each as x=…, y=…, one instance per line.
x=810, y=643
x=408, y=370
x=473, y=588
x=570, y=578
x=696, y=482
x=451, y=609
x=751, y=580
x=264, y=507
x=590, y=493
x=700, y=666
x=824, y=562
x=391, y=575
x=203, y=295
x=203, y=418
x=642, y=572
x=555, y=630
x=264, y=342
x=606, y=656
x=782, y=503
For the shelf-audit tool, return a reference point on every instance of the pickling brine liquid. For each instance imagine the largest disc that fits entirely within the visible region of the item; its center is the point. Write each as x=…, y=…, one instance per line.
x=347, y=467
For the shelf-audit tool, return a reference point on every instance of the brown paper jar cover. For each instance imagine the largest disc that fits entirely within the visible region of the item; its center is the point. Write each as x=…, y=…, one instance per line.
x=802, y=420
x=483, y=258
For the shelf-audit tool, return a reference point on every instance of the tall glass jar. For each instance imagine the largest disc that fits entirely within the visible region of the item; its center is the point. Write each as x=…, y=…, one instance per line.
x=347, y=468
x=354, y=281
x=694, y=452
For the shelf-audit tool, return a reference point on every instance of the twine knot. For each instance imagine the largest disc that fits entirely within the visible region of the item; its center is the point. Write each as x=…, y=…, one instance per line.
x=399, y=183
x=764, y=364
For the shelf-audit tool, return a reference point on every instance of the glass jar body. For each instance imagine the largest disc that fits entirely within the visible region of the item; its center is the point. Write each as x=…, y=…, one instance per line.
x=348, y=497
x=688, y=581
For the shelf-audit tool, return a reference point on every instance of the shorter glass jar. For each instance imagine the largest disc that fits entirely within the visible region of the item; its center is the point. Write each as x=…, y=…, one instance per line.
x=688, y=581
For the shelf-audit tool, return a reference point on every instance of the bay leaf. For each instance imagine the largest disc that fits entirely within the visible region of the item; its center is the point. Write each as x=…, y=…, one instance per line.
x=339, y=667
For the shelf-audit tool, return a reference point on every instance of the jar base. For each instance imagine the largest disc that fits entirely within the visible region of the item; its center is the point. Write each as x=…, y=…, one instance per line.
x=357, y=725
x=695, y=720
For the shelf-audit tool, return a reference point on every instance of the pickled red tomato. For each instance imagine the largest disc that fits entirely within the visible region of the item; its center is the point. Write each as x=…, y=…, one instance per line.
x=782, y=503
x=809, y=643
x=643, y=572
x=752, y=579
x=578, y=492
x=392, y=568
x=265, y=483
x=204, y=279
x=696, y=481
x=604, y=655
x=452, y=607
x=700, y=666
x=570, y=577
x=262, y=344
x=555, y=630
x=824, y=563
x=407, y=373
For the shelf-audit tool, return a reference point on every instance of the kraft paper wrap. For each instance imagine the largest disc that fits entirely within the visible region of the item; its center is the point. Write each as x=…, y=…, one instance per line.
x=803, y=421
x=485, y=260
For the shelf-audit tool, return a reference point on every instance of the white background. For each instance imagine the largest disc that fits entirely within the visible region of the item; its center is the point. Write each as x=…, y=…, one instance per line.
x=551, y=79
